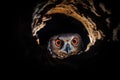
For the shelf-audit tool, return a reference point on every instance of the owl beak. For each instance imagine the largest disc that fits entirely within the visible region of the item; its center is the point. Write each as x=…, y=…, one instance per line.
x=68, y=48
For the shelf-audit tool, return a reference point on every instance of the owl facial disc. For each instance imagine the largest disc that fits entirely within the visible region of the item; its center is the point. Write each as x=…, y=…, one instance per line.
x=64, y=45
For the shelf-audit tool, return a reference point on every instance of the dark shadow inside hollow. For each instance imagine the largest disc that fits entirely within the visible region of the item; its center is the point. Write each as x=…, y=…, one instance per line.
x=60, y=24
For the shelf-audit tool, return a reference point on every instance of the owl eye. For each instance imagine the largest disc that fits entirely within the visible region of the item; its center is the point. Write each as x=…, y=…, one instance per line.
x=58, y=43
x=75, y=41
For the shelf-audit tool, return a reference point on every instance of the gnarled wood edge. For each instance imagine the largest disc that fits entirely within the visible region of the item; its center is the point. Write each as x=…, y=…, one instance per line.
x=69, y=9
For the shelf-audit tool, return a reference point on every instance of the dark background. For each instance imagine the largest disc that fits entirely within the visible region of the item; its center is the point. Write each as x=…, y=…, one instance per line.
x=29, y=55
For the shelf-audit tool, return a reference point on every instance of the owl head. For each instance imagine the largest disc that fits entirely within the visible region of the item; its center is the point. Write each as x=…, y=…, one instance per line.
x=63, y=45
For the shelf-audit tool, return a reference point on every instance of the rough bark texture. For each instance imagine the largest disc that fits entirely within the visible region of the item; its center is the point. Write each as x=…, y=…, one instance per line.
x=82, y=10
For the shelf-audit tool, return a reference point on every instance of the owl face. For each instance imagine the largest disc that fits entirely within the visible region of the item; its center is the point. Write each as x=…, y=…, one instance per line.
x=63, y=45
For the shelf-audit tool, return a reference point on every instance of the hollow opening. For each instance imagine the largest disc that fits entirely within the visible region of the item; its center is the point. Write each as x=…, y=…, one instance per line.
x=60, y=24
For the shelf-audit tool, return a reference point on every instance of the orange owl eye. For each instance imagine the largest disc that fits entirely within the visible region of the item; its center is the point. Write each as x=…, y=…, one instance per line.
x=75, y=41
x=58, y=42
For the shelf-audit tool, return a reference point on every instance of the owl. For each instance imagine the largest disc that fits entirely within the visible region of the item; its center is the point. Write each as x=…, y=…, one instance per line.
x=64, y=45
